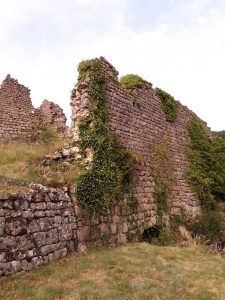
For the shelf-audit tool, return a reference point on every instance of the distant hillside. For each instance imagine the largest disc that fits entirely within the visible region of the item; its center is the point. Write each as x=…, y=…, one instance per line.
x=220, y=133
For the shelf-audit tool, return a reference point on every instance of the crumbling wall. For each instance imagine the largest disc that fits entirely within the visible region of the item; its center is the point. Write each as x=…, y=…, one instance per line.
x=46, y=223
x=18, y=119
x=139, y=128
x=15, y=110
x=50, y=115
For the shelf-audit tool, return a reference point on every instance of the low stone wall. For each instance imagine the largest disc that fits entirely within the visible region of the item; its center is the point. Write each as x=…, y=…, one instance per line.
x=45, y=223
x=35, y=228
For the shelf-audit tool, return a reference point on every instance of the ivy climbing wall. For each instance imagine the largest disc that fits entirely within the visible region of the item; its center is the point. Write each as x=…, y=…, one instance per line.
x=138, y=119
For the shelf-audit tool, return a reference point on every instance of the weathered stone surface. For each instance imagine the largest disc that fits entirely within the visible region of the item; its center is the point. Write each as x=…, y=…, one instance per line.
x=46, y=223
x=15, y=226
x=35, y=236
x=18, y=116
x=15, y=110
x=2, y=225
x=50, y=115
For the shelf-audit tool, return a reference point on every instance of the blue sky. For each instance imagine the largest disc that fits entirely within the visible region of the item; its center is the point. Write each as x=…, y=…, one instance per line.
x=177, y=45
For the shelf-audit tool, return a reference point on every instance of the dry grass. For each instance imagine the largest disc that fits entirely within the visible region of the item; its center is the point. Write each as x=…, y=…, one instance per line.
x=20, y=163
x=134, y=271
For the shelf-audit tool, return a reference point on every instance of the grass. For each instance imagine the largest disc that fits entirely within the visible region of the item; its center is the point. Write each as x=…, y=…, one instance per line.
x=20, y=164
x=134, y=271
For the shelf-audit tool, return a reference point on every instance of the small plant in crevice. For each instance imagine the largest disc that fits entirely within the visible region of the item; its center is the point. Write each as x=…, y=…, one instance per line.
x=109, y=177
x=169, y=105
x=133, y=82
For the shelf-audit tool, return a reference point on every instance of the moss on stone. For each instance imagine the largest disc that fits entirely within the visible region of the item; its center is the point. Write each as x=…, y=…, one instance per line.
x=132, y=81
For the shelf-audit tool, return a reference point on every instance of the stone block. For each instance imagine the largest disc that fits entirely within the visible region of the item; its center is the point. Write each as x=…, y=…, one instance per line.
x=15, y=226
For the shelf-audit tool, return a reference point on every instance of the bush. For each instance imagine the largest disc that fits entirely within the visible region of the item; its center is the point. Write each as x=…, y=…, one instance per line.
x=131, y=81
x=209, y=224
x=206, y=170
x=166, y=237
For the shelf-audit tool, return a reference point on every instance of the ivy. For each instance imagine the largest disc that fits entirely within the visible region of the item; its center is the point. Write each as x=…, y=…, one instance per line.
x=162, y=169
x=102, y=186
x=82, y=69
x=169, y=105
x=206, y=170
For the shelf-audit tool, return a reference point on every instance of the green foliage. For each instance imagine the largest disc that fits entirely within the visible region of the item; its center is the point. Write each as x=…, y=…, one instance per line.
x=47, y=135
x=162, y=169
x=209, y=224
x=220, y=133
x=169, y=105
x=178, y=220
x=82, y=69
x=206, y=171
x=166, y=237
x=99, y=188
x=131, y=81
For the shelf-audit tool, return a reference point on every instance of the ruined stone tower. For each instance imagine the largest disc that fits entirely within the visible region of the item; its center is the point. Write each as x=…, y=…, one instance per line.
x=15, y=110
x=19, y=120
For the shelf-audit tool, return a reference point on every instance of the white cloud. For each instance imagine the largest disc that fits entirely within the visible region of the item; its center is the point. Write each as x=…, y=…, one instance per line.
x=183, y=55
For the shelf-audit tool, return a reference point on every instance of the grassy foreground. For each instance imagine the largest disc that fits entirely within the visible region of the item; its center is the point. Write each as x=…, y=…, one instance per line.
x=133, y=271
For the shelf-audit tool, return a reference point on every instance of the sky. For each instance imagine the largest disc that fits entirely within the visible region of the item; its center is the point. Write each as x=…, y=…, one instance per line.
x=177, y=45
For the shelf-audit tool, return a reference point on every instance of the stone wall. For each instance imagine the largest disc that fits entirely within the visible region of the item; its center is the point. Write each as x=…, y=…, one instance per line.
x=18, y=119
x=50, y=115
x=45, y=223
x=139, y=128
x=15, y=110
x=35, y=228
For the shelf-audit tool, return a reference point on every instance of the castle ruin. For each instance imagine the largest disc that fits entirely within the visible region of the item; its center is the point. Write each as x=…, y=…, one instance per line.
x=46, y=223
x=18, y=119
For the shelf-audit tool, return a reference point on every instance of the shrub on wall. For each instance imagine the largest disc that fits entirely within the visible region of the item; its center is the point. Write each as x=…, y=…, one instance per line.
x=206, y=170
x=100, y=187
x=169, y=105
x=133, y=82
